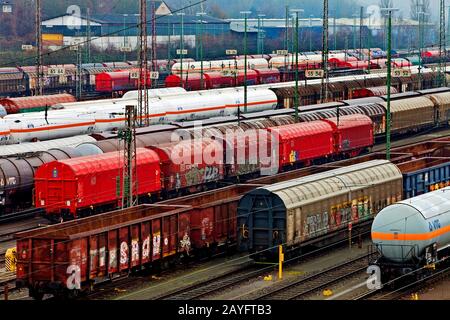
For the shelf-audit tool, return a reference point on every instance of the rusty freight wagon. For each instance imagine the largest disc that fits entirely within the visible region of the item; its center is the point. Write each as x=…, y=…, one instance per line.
x=67, y=258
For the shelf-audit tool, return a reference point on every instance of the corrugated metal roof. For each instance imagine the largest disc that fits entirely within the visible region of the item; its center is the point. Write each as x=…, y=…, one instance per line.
x=109, y=161
x=302, y=191
x=298, y=130
x=416, y=103
x=441, y=98
x=15, y=105
x=15, y=149
x=11, y=76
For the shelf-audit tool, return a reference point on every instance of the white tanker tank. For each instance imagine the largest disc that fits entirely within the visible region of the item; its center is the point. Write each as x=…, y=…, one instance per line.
x=414, y=231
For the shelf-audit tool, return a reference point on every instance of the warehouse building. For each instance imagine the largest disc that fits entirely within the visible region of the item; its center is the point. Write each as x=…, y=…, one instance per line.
x=119, y=30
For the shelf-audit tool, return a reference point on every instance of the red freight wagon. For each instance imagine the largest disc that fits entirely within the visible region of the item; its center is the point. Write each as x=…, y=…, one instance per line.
x=35, y=103
x=69, y=257
x=268, y=76
x=117, y=81
x=354, y=134
x=372, y=92
x=340, y=62
x=186, y=165
x=245, y=151
x=191, y=81
x=87, y=183
x=303, y=142
x=216, y=80
x=360, y=65
x=239, y=79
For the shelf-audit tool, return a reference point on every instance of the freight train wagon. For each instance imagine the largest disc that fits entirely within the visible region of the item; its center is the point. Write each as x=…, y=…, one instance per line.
x=34, y=104
x=413, y=235
x=296, y=212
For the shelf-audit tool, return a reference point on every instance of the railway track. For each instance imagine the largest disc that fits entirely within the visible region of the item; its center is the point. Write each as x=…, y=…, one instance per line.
x=309, y=284
x=214, y=285
x=405, y=290
x=19, y=216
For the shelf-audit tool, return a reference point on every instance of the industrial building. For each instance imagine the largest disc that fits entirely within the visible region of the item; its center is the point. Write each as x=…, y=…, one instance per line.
x=119, y=30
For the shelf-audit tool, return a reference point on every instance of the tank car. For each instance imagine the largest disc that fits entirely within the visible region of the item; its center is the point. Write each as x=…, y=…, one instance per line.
x=413, y=234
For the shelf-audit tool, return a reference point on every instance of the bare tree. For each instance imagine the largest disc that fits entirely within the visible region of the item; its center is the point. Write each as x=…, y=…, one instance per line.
x=386, y=3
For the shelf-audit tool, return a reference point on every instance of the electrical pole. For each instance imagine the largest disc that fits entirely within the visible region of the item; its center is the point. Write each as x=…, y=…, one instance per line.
x=182, y=47
x=201, y=14
x=39, y=66
x=325, y=79
x=245, y=13
x=88, y=37
x=354, y=31
x=442, y=49
x=369, y=44
x=124, y=40
x=335, y=31
x=263, y=34
x=388, y=84
x=154, y=44
x=421, y=16
x=129, y=183
x=286, y=40
x=79, y=88
x=361, y=27
x=168, y=41
x=260, y=34
x=448, y=24
x=143, y=110
x=296, y=100
x=310, y=32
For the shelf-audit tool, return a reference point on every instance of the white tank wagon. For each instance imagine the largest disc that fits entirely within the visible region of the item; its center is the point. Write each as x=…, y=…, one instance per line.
x=413, y=233
x=315, y=208
x=155, y=93
x=31, y=147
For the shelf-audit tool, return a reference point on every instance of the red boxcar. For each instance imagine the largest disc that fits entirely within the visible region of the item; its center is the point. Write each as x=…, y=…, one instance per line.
x=70, y=186
x=69, y=257
x=360, y=65
x=303, y=142
x=239, y=79
x=216, y=80
x=191, y=81
x=372, y=92
x=353, y=134
x=341, y=62
x=268, y=76
x=186, y=165
x=35, y=103
x=117, y=81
